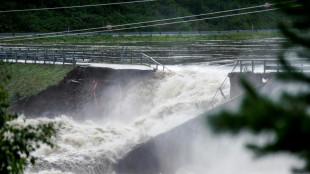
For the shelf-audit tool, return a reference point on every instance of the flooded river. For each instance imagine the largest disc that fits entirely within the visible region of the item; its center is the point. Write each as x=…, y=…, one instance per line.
x=95, y=145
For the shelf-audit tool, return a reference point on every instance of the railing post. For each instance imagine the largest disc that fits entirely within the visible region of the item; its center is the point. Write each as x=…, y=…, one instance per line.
x=122, y=54
x=54, y=58
x=63, y=58
x=15, y=57
x=35, y=58
x=7, y=56
x=73, y=60
x=222, y=93
x=277, y=66
x=264, y=66
x=141, y=58
x=11, y=53
x=240, y=66
x=92, y=58
x=131, y=58
x=44, y=55
x=25, y=58
x=252, y=65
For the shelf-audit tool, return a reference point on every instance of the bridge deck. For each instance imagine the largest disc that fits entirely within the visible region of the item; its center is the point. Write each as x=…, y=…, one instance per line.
x=120, y=60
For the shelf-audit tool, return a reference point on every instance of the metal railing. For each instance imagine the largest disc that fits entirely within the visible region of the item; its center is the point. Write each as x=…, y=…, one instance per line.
x=71, y=57
x=152, y=61
x=269, y=66
x=220, y=89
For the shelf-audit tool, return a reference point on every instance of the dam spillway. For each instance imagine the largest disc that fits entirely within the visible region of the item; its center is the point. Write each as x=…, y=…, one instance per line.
x=146, y=115
x=142, y=114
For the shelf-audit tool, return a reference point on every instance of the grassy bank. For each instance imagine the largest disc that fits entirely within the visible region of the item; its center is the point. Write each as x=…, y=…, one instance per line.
x=149, y=38
x=29, y=79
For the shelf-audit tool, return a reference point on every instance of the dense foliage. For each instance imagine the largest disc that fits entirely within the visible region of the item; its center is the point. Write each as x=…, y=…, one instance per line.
x=17, y=141
x=288, y=119
x=77, y=18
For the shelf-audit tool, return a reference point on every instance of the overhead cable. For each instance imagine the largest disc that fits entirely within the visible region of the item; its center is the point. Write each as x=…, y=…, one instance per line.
x=152, y=25
x=145, y=22
x=77, y=6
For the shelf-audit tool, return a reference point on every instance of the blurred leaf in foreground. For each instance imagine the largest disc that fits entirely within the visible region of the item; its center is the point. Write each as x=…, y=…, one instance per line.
x=18, y=141
x=288, y=118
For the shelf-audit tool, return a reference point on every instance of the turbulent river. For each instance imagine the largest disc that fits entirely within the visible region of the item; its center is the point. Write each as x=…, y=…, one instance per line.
x=94, y=145
x=153, y=107
x=147, y=110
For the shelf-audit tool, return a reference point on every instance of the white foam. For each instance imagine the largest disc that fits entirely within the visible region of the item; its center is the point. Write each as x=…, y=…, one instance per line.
x=145, y=111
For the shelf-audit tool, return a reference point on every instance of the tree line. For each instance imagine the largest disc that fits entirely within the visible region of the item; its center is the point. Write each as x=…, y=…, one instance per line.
x=77, y=18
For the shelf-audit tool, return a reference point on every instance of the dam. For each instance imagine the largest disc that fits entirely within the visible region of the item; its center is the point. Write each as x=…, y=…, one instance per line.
x=145, y=123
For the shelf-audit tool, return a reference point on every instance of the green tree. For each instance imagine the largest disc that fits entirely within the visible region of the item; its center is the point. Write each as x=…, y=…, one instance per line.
x=78, y=18
x=18, y=141
x=288, y=119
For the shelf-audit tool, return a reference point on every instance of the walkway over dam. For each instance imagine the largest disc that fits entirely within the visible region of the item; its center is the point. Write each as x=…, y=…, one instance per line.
x=161, y=154
x=78, y=57
x=257, y=71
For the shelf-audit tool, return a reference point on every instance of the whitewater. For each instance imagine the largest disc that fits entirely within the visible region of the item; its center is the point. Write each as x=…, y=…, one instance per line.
x=147, y=109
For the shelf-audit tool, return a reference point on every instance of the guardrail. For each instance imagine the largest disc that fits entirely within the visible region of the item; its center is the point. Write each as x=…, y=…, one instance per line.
x=220, y=89
x=72, y=57
x=271, y=65
x=157, y=64
x=53, y=57
x=268, y=66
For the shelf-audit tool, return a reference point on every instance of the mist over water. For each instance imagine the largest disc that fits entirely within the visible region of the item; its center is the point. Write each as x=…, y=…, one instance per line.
x=144, y=110
x=137, y=114
x=127, y=116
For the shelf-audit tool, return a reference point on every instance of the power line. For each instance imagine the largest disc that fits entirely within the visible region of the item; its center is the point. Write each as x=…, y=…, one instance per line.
x=193, y=20
x=145, y=22
x=152, y=25
x=115, y=26
x=78, y=6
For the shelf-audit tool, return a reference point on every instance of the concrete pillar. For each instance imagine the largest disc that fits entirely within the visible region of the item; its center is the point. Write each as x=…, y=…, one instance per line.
x=236, y=89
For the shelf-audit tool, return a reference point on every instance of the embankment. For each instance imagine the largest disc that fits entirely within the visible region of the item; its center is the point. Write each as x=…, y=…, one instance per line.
x=79, y=87
x=30, y=79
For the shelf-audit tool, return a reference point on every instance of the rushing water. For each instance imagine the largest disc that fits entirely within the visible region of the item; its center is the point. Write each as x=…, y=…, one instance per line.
x=155, y=106
x=93, y=146
x=148, y=109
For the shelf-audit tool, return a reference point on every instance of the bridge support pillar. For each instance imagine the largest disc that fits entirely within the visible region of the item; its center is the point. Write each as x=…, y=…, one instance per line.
x=236, y=89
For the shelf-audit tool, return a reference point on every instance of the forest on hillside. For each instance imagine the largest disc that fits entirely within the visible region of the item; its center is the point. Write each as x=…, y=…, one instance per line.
x=79, y=18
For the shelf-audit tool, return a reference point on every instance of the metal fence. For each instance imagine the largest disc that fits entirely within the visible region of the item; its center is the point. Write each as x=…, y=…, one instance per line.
x=72, y=57
x=271, y=65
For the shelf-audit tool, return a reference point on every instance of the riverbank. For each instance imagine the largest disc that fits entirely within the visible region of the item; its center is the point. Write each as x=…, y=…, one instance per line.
x=29, y=79
x=150, y=38
x=72, y=91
